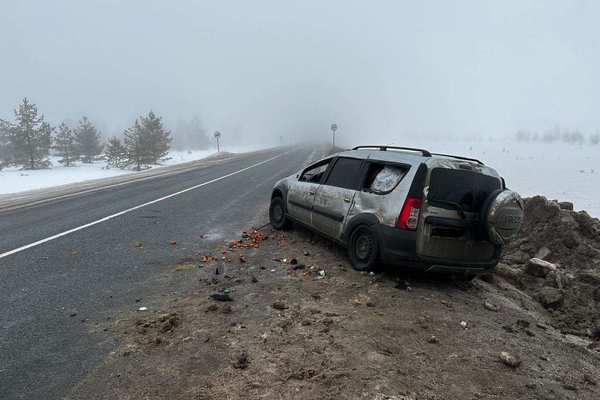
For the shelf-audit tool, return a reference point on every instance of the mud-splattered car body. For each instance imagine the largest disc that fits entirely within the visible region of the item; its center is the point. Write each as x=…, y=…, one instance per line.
x=403, y=206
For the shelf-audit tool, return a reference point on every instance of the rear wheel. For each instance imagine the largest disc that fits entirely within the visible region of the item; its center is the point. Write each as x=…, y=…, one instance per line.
x=363, y=249
x=277, y=215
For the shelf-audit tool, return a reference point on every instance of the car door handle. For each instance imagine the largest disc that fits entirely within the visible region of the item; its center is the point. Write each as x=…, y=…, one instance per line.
x=347, y=199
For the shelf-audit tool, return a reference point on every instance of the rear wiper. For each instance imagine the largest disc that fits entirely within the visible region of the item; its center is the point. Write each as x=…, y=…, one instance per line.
x=459, y=208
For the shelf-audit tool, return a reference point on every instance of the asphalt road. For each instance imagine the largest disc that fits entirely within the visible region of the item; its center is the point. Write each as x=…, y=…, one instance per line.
x=56, y=295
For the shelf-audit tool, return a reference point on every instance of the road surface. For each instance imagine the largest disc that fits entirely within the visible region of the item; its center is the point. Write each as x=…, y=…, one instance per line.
x=69, y=265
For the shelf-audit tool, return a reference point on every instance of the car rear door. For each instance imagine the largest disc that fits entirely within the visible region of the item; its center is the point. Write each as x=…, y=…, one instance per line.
x=335, y=196
x=301, y=192
x=450, y=216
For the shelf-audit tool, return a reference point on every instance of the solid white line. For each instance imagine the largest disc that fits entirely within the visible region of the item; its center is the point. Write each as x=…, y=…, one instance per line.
x=109, y=217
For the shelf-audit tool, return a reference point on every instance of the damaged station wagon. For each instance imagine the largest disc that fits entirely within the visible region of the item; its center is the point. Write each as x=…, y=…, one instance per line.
x=403, y=206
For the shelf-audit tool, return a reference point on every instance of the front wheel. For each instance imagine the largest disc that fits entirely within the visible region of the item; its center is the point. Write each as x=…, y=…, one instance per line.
x=277, y=216
x=363, y=249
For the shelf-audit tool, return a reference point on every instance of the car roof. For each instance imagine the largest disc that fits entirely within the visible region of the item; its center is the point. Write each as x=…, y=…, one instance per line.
x=415, y=157
x=389, y=156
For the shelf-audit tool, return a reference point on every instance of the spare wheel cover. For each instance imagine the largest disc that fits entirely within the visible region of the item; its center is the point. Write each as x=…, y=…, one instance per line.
x=504, y=216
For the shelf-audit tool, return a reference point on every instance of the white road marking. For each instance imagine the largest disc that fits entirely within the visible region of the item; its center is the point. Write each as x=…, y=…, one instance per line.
x=109, y=217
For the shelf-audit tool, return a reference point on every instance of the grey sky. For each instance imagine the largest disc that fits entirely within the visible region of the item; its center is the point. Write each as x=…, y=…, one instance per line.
x=270, y=68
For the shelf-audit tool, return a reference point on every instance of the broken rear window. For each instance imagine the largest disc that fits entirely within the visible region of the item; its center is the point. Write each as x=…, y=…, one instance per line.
x=383, y=178
x=453, y=188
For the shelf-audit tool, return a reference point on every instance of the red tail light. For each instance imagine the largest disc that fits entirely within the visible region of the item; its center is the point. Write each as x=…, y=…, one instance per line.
x=409, y=217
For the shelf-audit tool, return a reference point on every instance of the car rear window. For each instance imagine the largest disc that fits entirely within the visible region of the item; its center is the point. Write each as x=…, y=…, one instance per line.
x=345, y=173
x=467, y=189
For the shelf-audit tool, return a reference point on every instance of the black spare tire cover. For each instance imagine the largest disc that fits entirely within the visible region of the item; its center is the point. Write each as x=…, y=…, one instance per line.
x=502, y=216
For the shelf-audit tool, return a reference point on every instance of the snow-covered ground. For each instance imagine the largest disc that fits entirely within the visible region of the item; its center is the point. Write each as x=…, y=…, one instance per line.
x=556, y=170
x=14, y=180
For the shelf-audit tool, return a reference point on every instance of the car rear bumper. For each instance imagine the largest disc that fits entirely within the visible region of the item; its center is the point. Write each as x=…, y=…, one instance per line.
x=398, y=247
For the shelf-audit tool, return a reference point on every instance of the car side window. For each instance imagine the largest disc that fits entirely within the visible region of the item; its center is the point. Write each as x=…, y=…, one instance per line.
x=314, y=173
x=382, y=179
x=345, y=173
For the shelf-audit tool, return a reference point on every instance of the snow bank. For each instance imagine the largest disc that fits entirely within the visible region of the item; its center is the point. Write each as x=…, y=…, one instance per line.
x=13, y=180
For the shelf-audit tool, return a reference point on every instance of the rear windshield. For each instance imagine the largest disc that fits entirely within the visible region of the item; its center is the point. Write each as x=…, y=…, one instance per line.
x=449, y=188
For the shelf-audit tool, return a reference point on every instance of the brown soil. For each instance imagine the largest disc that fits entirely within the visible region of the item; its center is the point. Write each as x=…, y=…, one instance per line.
x=570, y=240
x=303, y=325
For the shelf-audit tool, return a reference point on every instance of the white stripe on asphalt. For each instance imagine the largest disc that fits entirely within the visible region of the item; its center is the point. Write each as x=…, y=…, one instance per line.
x=65, y=233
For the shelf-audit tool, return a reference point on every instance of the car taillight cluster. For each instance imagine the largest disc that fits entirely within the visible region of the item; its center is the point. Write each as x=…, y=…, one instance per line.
x=409, y=217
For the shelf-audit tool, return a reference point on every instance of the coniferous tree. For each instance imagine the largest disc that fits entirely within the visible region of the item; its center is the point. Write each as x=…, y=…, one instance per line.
x=116, y=153
x=157, y=138
x=29, y=137
x=5, y=153
x=136, y=146
x=87, y=140
x=64, y=144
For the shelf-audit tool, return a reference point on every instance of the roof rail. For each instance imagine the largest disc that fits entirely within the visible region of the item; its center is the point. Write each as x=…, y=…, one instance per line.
x=425, y=153
x=458, y=158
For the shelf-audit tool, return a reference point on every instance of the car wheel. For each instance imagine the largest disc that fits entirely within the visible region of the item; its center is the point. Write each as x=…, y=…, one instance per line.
x=363, y=249
x=277, y=216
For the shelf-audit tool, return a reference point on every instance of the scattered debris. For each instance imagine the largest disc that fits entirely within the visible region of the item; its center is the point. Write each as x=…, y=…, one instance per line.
x=490, y=306
x=509, y=359
x=221, y=297
x=463, y=324
x=433, y=339
x=279, y=305
x=143, y=309
x=242, y=361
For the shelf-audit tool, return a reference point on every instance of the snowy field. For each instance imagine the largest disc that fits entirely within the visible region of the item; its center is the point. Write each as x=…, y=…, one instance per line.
x=556, y=170
x=14, y=180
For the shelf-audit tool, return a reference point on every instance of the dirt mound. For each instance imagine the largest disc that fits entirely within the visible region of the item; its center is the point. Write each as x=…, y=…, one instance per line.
x=556, y=260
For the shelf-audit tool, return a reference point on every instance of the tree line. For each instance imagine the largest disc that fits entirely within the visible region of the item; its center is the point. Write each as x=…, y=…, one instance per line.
x=28, y=140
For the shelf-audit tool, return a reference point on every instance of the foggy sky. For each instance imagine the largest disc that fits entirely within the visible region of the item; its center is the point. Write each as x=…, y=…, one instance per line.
x=382, y=70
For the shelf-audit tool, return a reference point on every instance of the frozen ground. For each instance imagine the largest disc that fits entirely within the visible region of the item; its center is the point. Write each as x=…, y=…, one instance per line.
x=557, y=170
x=13, y=180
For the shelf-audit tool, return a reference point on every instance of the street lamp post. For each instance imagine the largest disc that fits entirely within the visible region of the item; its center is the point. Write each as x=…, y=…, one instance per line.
x=333, y=128
x=217, y=137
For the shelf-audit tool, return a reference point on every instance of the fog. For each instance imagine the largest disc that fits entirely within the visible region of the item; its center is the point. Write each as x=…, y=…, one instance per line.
x=261, y=70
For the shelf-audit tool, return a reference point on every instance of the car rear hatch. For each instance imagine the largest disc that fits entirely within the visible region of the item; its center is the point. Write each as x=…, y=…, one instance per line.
x=449, y=231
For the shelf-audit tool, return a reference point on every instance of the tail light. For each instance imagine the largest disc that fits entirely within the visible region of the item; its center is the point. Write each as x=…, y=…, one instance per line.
x=409, y=217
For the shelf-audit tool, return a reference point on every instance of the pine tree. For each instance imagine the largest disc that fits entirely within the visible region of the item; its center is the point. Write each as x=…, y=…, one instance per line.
x=87, y=140
x=29, y=137
x=157, y=138
x=116, y=153
x=5, y=153
x=136, y=146
x=64, y=144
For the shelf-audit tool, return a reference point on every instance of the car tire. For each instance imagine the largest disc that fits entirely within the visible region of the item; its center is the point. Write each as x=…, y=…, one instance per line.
x=277, y=215
x=363, y=249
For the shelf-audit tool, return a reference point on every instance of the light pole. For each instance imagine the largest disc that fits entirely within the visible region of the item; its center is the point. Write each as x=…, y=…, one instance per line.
x=333, y=128
x=218, y=136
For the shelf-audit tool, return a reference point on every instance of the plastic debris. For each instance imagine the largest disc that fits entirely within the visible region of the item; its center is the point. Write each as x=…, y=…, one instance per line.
x=143, y=309
x=221, y=297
